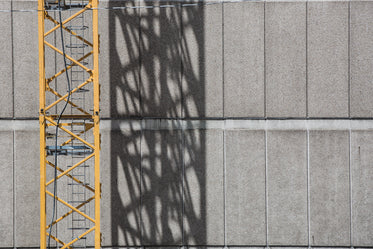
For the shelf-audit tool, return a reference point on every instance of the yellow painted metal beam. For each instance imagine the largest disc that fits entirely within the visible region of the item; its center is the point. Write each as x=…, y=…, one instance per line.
x=68, y=30
x=79, y=237
x=67, y=20
x=68, y=67
x=70, y=206
x=70, y=133
x=70, y=169
x=71, y=211
x=58, y=240
x=71, y=177
x=66, y=95
x=48, y=117
x=96, y=120
x=68, y=57
x=43, y=154
x=87, y=128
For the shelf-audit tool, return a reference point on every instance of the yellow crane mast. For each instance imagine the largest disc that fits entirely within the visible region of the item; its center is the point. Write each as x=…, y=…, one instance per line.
x=69, y=111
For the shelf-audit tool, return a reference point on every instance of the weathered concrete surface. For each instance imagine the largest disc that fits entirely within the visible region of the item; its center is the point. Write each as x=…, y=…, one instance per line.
x=202, y=59
x=285, y=59
x=160, y=62
x=106, y=188
x=328, y=59
x=6, y=188
x=243, y=59
x=27, y=188
x=287, y=187
x=361, y=35
x=203, y=188
x=6, y=65
x=162, y=189
x=201, y=53
x=362, y=185
x=245, y=191
x=119, y=60
x=120, y=204
x=26, y=54
x=329, y=188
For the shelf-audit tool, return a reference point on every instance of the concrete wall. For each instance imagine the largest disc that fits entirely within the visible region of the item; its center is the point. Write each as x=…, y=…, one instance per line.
x=271, y=135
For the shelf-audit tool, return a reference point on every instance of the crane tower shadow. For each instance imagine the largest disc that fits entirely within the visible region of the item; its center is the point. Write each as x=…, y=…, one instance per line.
x=158, y=183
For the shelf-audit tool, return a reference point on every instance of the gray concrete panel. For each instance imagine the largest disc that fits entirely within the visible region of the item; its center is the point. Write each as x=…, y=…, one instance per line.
x=287, y=188
x=53, y=62
x=26, y=60
x=119, y=60
x=120, y=177
x=361, y=59
x=244, y=59
x=106, y=188
x=6, y=65
x=6, y=188
x=328, y=59
x=27, y=188
x=248, y=247
x=362, y=185
x=205, y=247
x=168, y=247
x=245, y=191
x=329, y=188
x=161, y=188
x=203, y=188
x=201, y=54
x=285, y=43
x=160, y=62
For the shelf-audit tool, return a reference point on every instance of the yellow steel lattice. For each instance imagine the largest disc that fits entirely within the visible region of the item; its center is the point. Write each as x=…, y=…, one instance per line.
x=86, y=117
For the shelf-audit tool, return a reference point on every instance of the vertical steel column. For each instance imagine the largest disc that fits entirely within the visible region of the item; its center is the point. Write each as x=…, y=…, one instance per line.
x=41, y=17
x=96, y=115
x=74, y=140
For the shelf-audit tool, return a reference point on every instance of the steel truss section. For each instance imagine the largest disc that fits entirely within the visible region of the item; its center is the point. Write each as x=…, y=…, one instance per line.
x=76, y=142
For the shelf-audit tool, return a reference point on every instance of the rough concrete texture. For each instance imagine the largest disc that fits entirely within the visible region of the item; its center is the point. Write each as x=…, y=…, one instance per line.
x=25, y=60
x=361, y=35
x=245, y=187
x=362, y=185
x=203, y=188
x=197, y=61
x=200, y=36
x=201, y=53
x=205, y=247
x=122, y=178
x=6, y=69
x=285, y=59
x=287, y=187
x=6, y=188
x=26, y=177
x=329, y=188
x=162, y=190
x=160, y=84
x=243, y=52
x=106, y=188
x=328, y=59
x=119, y=60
